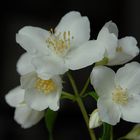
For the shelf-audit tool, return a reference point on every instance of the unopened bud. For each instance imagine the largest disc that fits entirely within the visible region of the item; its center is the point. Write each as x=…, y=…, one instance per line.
x=94, y=120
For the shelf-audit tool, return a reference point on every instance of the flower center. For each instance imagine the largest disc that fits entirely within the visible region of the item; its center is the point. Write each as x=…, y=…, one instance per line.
x=60, y=43
x=120, y=96
x=45, y=86
x=119, y=49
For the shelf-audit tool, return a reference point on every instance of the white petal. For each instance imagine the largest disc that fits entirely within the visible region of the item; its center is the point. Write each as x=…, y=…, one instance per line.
x=129, y=45
x=27, y=117
x=55, y=102
x=102, y=78
x=58, y=81
x=24, y=65
x=112, y=27
x=28, y=80
x=128, y=77
x=15, y=97
x=108, y=111
x=131, y=111
x=40, y=101
x=33, y=39
x=80, y=31
x=85, y=55
x=67, y=19
x=46, y=67
x=78, y=26
x=107, y=40
x=129, y=51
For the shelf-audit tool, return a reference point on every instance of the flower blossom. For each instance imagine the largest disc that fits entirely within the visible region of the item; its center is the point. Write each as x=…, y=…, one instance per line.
x=24, y=115
x=66, y=47
x=118, y=51
x=119, y=94
x=39, y=93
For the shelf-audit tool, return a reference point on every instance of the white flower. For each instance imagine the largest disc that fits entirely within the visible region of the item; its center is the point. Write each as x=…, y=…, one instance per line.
x=41, y=94
x=66, y=47
x=119, y=94
x=94, y=120
x=24, y=115
x=118, y=51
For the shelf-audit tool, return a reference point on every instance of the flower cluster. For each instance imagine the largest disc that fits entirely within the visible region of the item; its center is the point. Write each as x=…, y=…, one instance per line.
x=50, y=54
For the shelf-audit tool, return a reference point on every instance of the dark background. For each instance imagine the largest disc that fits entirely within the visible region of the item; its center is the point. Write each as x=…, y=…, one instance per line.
x=46, y=14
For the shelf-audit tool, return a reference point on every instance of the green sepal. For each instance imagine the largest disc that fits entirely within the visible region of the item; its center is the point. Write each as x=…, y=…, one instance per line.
x=93, y=95
x=104, y=61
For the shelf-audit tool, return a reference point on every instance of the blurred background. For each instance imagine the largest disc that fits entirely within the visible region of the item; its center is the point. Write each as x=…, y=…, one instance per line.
x=46, y=14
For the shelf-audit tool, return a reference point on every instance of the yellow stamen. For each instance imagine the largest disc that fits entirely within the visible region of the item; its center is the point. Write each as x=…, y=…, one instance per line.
x=120, y=96
x=45, y=86
x=59, y=44
x=51, y=31
x=64, y=36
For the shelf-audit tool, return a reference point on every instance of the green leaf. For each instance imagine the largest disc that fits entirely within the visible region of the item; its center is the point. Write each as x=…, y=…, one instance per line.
x=50, y=117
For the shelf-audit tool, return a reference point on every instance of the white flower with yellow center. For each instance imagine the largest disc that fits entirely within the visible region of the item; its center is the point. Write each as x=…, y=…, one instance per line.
x=118, y=51
x=119, y=94
x=66, y=47
x=24, y=115
x=41, y=94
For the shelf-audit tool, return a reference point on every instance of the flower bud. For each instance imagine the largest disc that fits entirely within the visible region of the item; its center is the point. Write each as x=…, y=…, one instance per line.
x=94, y=120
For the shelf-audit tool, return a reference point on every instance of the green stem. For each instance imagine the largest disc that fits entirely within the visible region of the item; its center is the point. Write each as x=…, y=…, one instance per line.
x=82, y=107
x=111, y=138
x=107, y=130
x=51, y=137
x=85, y=87
x=72, y=83
x=83, y=110
x=66, y=95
